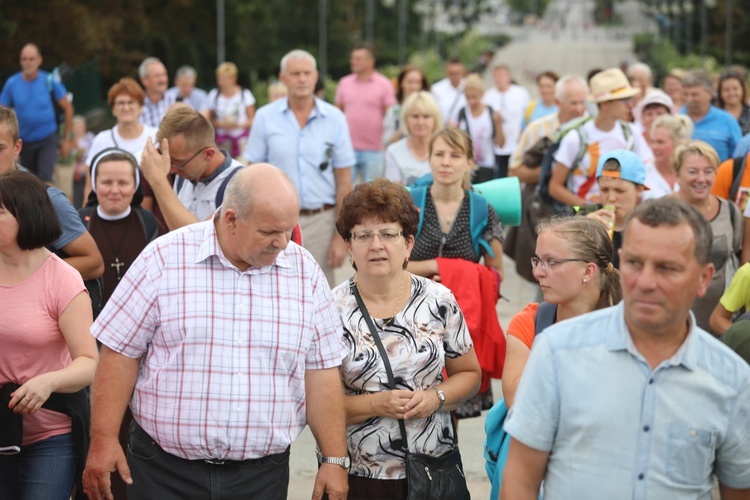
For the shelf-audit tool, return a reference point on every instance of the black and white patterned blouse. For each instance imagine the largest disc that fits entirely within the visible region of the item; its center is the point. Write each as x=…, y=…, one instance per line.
x=429, y=329
x=433, y=243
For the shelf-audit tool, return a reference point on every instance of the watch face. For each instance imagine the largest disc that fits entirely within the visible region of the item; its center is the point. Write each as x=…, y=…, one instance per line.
x=347, y=462
x=440, y=394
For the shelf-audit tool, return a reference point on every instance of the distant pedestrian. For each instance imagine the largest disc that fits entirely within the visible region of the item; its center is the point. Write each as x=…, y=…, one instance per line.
x=34, y=94
x=309, y=140
x=364, y=96
x=153, y=75
x=184, y=89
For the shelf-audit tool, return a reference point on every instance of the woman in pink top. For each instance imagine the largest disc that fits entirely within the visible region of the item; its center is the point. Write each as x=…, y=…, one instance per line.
x=46, y=345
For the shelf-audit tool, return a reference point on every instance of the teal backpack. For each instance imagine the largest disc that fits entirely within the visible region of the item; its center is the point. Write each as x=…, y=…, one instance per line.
x=477, y=213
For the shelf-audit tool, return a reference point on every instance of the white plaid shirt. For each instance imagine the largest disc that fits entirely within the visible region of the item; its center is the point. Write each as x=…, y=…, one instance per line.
x=224, y=351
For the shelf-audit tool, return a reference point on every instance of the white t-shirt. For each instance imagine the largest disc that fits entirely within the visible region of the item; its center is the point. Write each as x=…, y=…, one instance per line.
x=449, y=98
x=230, y=108
x=111, y=139
x=657, y=185
x=599, y=142
x=401, y=166
x=511, y=105
x=480, y=130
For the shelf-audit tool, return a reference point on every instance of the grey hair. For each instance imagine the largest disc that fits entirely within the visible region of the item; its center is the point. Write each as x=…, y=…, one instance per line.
x=698, y=78
x=143, y=68
x=298, y=54
x=667, y=211
x=639, y=66
x=186, y=71
x=561, y=86
x=238, y=198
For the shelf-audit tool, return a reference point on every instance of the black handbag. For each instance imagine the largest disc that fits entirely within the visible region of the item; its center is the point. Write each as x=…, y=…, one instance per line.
x=427, y=477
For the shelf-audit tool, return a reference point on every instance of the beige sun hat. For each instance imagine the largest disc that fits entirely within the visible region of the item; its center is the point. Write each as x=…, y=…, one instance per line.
x=610, y=85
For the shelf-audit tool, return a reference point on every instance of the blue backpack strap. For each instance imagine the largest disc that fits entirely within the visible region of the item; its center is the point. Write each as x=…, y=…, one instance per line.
x=220, y=193
x=419, y=195
x=478, y=222
x=546, y=315
x=496, y=441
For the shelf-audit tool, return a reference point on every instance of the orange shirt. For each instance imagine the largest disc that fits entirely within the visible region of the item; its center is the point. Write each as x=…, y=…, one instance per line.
x=523, y=324
x=723, y=183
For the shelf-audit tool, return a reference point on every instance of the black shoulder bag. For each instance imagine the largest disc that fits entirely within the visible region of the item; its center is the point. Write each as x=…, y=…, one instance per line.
x=427, y=477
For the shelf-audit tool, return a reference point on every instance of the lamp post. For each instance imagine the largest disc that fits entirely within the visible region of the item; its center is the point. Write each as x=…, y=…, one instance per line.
x=323, y=37
x=687, y=8
x=221, y=53
x=728, y=44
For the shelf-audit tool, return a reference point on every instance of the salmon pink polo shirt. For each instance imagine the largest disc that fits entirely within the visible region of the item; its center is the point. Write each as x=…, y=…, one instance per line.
x=364, y=103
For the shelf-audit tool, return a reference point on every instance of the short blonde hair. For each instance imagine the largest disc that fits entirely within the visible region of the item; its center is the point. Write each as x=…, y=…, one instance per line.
x=699, y=148
x=427, y=104
x=680, y=127
x=227, y=68
x=474, y=82
x=182, y=119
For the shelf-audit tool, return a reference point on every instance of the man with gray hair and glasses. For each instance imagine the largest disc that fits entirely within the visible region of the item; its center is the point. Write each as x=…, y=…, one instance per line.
x=636, y=401
x=711, y=124
x=309, y=140
x=184, y=89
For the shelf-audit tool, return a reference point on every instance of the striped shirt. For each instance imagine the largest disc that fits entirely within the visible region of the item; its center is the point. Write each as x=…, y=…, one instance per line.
x=223, y=352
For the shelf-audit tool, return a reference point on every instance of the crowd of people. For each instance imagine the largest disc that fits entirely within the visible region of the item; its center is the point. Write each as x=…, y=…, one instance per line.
x=200, y=259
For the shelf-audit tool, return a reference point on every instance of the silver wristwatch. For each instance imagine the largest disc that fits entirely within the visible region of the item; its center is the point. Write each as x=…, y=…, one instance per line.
x=441, y=397
x=344, y=462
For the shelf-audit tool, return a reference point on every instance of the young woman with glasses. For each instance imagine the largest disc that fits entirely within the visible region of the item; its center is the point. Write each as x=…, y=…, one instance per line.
x=573, y=264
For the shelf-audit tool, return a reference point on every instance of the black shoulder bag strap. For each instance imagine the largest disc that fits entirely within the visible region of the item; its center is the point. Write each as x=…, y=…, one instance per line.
x=381, y=349
x=738, y=171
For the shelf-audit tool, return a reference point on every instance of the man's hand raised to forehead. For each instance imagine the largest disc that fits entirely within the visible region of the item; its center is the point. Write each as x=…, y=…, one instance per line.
x=156, y=164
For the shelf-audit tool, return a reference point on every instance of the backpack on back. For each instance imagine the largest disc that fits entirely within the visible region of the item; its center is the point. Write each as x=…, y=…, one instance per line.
x=548, y=163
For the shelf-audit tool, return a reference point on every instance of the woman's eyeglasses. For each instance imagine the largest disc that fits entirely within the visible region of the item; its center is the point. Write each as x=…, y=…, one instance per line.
x=386, y=236
x=549, y=264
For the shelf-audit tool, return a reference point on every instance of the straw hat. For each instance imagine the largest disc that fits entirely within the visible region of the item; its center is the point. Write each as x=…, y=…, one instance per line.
x=610, y=85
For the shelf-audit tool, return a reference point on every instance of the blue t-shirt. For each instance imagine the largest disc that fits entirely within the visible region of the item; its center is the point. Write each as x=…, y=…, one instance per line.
x=540, y=110
x=70, y=221
x=720, y=129
x=33, y=104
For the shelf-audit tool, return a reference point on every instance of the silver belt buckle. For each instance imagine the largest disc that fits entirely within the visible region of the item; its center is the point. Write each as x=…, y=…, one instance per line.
x=215, y=462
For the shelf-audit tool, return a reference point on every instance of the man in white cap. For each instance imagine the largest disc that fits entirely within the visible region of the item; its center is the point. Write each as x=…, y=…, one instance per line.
x=573, y=180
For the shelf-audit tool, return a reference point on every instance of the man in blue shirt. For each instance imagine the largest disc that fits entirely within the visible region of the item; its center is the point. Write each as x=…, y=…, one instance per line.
x=635, y=401
x=31, y=93
x=711, y=124
x=309, y=140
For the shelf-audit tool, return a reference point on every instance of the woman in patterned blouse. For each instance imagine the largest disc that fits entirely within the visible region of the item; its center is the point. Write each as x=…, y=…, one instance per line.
x=423, y=331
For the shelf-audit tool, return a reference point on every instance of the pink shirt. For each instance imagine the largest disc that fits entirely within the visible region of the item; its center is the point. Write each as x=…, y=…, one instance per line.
x=31, y=341
x=365, y=104
x=224, y=352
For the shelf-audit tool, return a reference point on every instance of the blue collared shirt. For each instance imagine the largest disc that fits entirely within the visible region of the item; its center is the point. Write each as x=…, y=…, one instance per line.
x=277, y=138
x=616, y=429
x=718, y=128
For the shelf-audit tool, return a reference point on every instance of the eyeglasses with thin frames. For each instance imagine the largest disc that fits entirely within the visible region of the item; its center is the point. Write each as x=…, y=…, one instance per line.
x=386, y=236
x=549, y=264
x=184, y=164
